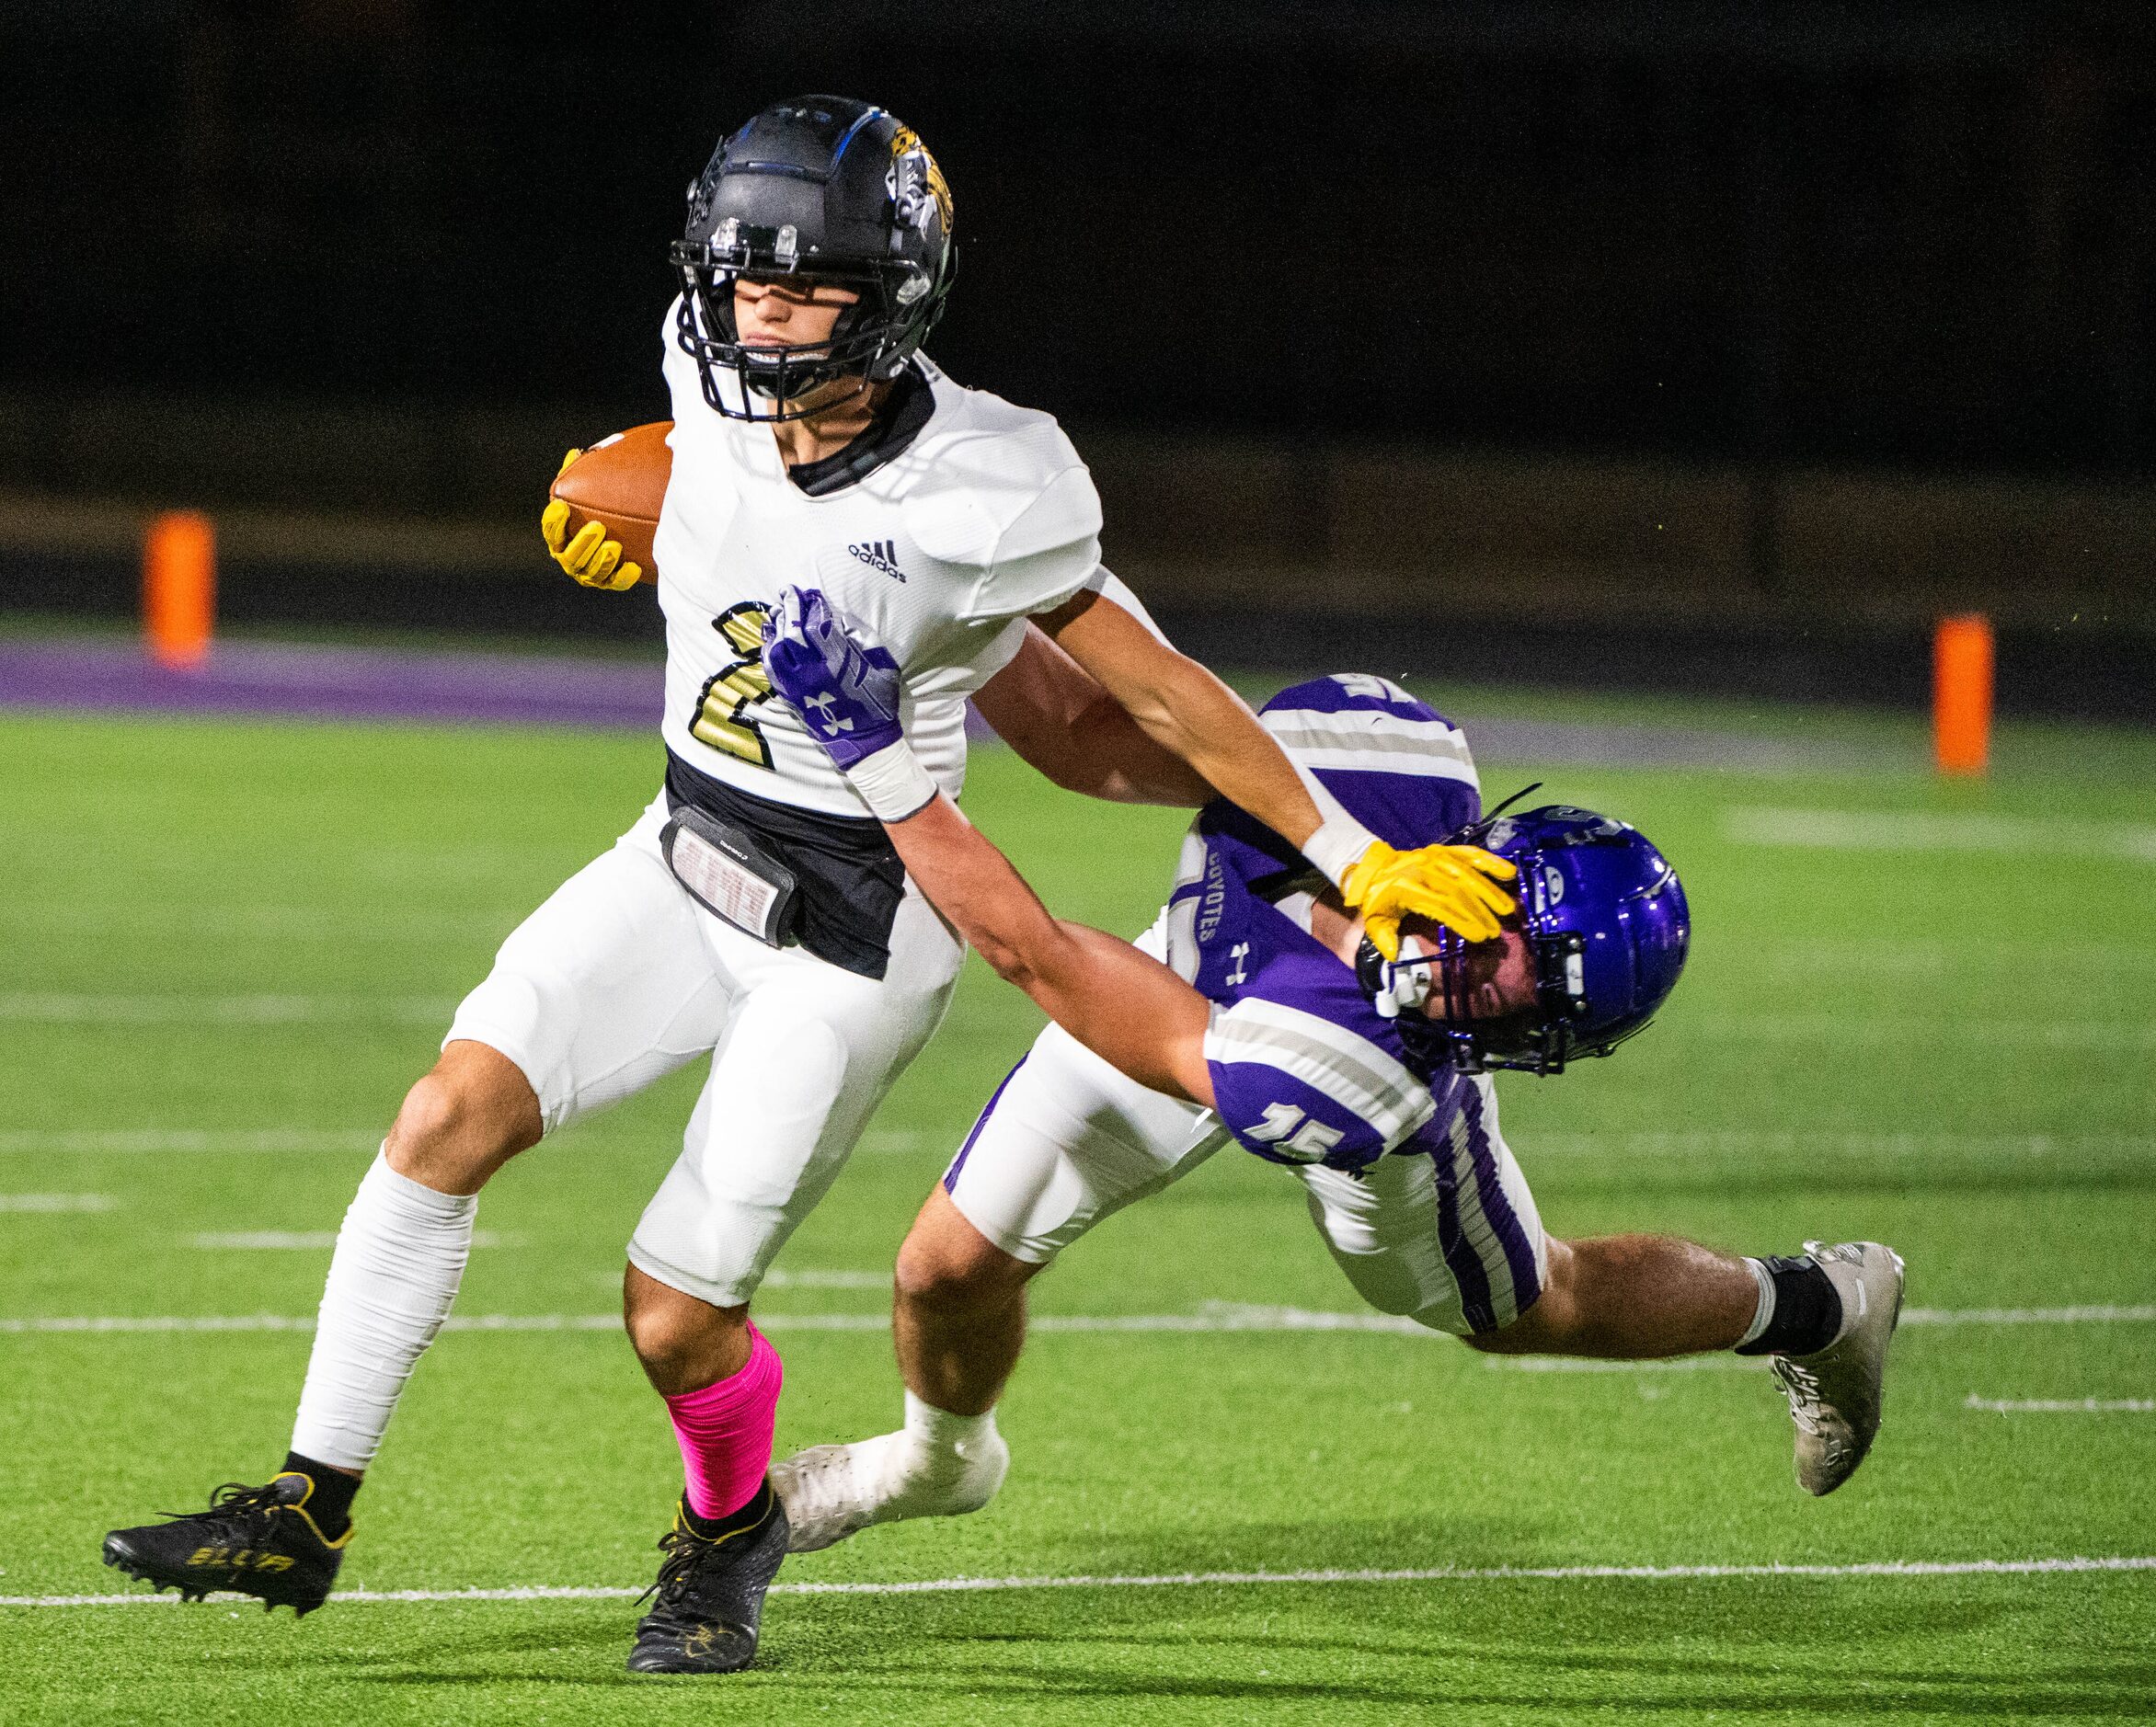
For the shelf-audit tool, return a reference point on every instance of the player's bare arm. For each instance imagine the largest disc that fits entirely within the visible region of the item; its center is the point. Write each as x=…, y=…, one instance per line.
x=1126, y=1007
x=1186, y=710
x=1190, y=711
x=1065, y=726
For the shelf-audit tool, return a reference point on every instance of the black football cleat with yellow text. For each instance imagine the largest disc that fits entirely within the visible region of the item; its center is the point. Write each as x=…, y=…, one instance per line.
x=710, y=1591
x=259, y=1541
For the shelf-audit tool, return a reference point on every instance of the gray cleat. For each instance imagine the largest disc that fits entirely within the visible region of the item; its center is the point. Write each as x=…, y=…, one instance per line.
x=1835, y=1393
x=832, y=1492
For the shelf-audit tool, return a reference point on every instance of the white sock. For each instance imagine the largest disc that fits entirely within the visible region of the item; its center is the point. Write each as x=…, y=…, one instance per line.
x=1763, y=1316
x=399, y=1258
x=939, y=1430
x=938, y=1464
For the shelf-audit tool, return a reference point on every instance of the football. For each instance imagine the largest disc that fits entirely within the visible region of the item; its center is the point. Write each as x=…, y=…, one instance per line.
x=621, y=481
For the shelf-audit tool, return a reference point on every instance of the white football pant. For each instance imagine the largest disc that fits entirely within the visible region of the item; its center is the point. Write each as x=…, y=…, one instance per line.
x=620, y=978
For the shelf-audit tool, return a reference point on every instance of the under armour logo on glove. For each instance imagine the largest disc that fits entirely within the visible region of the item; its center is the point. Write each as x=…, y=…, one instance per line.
x=824, y=717
x=847, y=690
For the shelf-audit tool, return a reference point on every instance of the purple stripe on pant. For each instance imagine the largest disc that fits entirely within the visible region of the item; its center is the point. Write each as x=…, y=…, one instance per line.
x=1460, y=1260
x=950, y=1179
x=1497, y=1208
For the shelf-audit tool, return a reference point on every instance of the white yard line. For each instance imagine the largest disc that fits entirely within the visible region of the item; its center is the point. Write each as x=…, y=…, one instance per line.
x=2001, y=950
x=1895, y=1568
x=1575, y=1364
x=890, y=1139
x=1794, y=1143
x=1857, y=1028
x=32, y=1141
x=328, y=924
x=2063, y=1149
x=57, y=1201
x=2062, y=1405
x=2138, y=1313
x=1918, y=830
x=52, y=1009
x=1232, y=1316
x=275, y=1241
x=35, y=1141
x=1216, y=1317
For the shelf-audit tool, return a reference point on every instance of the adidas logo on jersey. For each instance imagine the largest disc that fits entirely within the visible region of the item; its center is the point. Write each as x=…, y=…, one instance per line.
x=880, y=554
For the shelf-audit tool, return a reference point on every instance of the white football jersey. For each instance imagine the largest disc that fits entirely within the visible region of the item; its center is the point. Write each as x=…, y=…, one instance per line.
x=988, y=516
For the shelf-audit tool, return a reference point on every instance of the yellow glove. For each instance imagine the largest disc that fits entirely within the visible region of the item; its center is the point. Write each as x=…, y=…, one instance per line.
x=1453, y=885
x=592, y=558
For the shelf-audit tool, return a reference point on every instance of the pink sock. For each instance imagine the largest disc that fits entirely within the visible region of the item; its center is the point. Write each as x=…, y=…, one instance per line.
x=725, y=1432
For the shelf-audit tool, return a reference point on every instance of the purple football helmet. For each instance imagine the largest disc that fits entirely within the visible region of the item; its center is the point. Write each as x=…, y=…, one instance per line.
x=1606, y=925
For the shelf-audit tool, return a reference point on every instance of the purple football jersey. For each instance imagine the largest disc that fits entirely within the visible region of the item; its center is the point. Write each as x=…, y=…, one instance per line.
x=1304, y=1070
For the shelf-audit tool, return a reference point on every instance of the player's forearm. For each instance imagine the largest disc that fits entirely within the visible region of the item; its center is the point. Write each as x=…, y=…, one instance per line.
x=1186, y=710
x=1100, y=751
x=1190, y=713
x=1126, y=1007
x=968, y=880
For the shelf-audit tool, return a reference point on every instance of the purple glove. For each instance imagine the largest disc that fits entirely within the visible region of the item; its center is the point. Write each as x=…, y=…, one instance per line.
x=847, y=693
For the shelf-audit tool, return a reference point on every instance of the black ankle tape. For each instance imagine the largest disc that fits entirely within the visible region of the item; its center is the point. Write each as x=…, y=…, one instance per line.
x=330, y=1504
x=712, y=1528
x=1807, y=1310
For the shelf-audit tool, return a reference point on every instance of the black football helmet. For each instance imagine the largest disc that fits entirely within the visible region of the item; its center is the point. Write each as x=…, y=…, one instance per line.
x=824, y=188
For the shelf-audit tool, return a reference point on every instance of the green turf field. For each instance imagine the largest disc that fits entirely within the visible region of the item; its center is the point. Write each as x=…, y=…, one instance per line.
x=226, y=948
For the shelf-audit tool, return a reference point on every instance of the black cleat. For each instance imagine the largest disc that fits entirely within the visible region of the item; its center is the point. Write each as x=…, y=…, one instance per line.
x=258, y=1541
x=710, y=1597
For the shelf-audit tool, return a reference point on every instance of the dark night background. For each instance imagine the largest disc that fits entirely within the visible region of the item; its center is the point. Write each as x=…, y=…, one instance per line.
x=1869, y=241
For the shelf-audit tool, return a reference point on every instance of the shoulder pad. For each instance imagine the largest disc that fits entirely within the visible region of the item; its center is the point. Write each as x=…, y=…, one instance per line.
x=1276, y=1067
x=1346, y=692
x=997, y=483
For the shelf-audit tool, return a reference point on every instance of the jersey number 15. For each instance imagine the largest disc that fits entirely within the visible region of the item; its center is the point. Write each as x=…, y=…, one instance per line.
x=1290, y=1133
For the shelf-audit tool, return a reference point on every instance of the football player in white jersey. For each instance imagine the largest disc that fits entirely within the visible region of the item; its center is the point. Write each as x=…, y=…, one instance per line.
x=757, y=913
x=1257, y=1012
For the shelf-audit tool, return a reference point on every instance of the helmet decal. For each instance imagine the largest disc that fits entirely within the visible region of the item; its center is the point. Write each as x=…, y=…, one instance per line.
x=916, y=184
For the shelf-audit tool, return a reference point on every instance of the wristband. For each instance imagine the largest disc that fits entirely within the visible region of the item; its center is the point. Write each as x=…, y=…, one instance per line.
x=892, y=782
x=1337, y=847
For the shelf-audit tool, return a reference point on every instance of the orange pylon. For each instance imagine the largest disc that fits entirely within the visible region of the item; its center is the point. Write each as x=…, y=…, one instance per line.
x=1961, y=694
x=179, y=588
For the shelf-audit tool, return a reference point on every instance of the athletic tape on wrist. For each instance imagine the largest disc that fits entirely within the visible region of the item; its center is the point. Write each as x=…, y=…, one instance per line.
x=892, y=782
x=1337, y=846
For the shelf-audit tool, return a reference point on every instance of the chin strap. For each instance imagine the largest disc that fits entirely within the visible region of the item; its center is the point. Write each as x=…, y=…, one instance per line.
x=1403, y=985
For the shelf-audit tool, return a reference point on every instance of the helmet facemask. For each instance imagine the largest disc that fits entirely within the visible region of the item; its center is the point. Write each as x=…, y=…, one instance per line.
x=871, y=341
x=1428, y=993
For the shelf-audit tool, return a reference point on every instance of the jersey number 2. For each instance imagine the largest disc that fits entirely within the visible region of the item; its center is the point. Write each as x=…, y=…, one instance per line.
x=722, y=716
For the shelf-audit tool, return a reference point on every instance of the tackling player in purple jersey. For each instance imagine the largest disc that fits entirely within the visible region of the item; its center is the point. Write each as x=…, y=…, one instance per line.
x=1258, y=1011
x=1239, y=928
